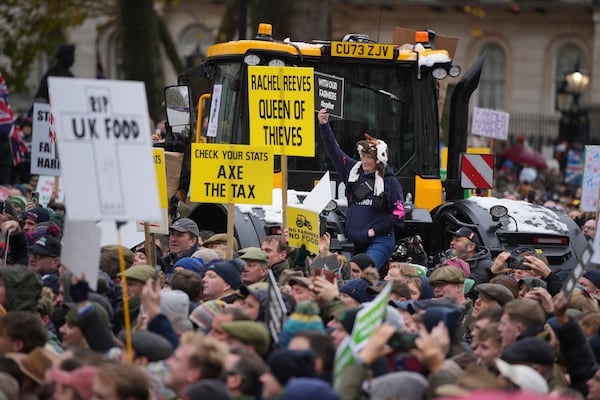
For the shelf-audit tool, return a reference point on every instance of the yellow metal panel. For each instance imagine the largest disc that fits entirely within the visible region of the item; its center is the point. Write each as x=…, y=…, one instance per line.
x=428, y=193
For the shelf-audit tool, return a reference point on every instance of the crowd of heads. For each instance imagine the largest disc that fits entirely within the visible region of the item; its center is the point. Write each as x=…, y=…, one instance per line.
x=192, y=316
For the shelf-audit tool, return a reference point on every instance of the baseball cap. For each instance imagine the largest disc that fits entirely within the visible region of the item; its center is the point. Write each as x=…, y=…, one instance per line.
x=46, y=246
x=466, y=232
x=185, y=225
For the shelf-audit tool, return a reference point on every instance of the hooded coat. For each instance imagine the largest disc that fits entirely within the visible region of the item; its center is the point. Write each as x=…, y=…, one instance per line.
x=23, y=288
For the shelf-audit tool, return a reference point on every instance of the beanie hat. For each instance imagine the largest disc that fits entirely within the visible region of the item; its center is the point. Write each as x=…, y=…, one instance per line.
x=286, y=364
x=309, y=388
x=304, y=318
x=38, y=214
x=363, y=260
x=174, y=304
x=149, y=344
x=593, y=275
x=357, y=289
x=80, y=379
x=458, y=263
x=72, y=318
x=191, y=264
x=18, y=201
x=347, y=318
x=230, y=273
x=204, y=314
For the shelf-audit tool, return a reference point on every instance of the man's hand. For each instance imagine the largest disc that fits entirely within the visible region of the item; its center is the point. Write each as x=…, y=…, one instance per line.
x=11, y=227
x=432, y=347
x=543, y=297
x=324, y=243
x=537, y=265
x=560, y=308
x=325, y=290
x=323, y=116
x=499, y=265
x=151, y=298
x=376, y=346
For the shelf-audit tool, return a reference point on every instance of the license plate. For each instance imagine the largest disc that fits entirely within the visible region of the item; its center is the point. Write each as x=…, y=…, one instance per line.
x=362, y=50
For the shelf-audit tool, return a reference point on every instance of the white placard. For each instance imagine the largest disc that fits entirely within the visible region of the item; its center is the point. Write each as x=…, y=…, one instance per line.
x=215, y=106
x=104, y=142
x=490, y=123
x=44, y=158
x=80, y=251
x=319, y=196
x=591, y=179
x=45, y=187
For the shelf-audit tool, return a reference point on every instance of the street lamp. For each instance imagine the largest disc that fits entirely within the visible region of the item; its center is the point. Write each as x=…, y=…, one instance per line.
x=574, y=122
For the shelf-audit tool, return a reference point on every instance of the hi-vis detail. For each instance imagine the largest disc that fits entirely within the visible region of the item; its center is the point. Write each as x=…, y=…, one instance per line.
x=362, y=50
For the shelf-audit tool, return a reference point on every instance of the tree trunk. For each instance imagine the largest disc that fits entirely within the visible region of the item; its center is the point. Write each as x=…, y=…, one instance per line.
x=138, y=27
x=170, y=48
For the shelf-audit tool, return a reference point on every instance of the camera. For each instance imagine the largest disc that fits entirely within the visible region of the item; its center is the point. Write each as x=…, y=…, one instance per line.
x=403, y=341
x=516, y=262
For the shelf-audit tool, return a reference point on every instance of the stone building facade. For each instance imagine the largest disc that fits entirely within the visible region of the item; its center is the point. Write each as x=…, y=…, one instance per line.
x=529, y=46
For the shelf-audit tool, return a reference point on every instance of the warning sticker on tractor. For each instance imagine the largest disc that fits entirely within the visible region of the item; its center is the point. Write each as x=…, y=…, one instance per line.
x=226, y=173
x=281, y=104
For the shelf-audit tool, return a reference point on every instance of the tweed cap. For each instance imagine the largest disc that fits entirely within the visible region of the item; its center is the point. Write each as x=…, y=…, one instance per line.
x=251, y=333
x=447, y=275
x=139, y=273
x=495, y=291
x=220, y=238
x=255, y=254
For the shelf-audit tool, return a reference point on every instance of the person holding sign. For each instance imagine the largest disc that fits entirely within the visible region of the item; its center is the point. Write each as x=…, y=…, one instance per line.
x=374, y=194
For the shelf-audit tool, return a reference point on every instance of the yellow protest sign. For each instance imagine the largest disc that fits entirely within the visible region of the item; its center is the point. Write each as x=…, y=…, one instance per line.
x=303, y=228
x=281, y=108
x=231, y=173
x=161, y=176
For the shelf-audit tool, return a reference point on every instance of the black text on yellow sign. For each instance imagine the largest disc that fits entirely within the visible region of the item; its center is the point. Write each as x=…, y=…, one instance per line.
x=281, y=104
x=227, y=173
x=303, y=228
x=362, y=50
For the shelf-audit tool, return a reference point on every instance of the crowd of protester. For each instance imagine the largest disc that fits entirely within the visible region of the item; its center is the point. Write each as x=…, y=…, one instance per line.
x=200, y=326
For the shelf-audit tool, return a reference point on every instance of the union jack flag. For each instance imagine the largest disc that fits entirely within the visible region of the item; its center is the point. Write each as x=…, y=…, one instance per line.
x=8, y=126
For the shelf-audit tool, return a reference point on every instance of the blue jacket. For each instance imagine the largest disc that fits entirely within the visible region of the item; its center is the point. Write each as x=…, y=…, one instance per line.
x=362, y=216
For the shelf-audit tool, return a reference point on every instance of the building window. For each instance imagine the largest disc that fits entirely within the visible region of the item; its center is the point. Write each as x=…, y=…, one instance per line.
x=567, y=58
x=493, y=78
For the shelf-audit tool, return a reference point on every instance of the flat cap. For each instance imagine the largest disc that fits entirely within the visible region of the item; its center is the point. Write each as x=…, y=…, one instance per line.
x=300, y=280
x=529, y=350
x=139, y=273
x=220, y=238
x=495, y=291
x=150, y=345
x=447, y=274
x=250, y=333
x=255, y=254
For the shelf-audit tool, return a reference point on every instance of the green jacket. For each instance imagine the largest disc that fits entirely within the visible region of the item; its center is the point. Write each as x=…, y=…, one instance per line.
x=23, y=288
